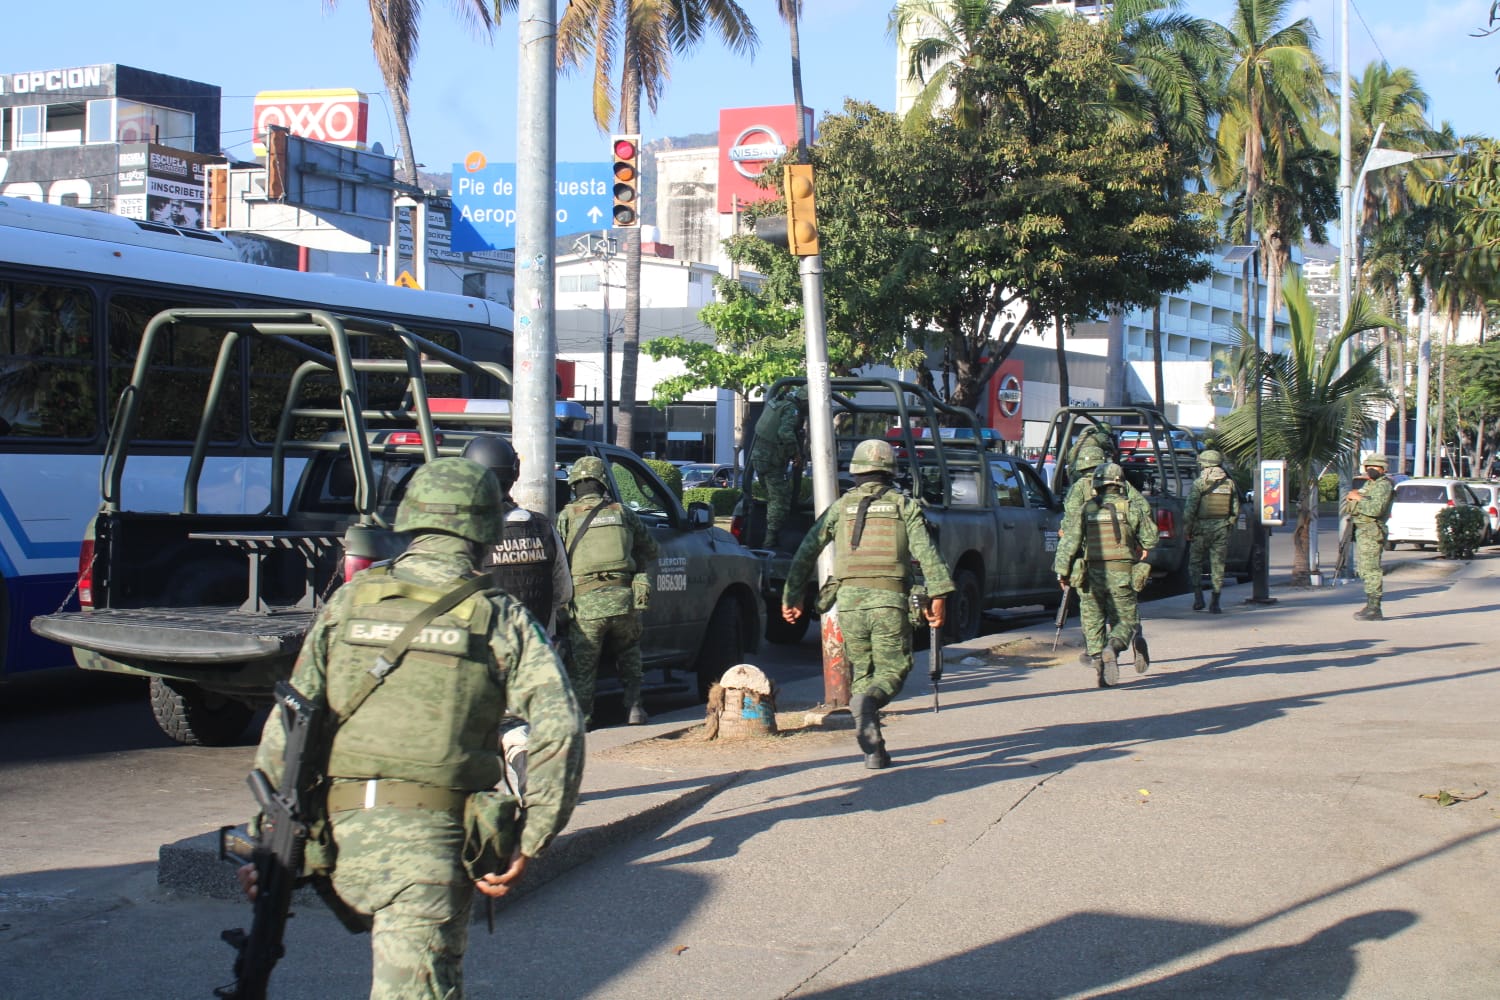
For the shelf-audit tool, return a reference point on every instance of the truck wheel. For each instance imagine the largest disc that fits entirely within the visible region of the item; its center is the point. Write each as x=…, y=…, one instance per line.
x=779, y=631
x=195, y=717
x=965, y=607
x=723, y=644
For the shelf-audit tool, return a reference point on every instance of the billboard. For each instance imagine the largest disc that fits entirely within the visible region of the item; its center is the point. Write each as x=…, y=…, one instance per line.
x=751, y=139
x=340, y=117
x=161, y=184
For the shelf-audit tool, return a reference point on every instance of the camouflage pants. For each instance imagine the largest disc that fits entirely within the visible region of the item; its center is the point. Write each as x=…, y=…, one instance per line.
x=1369, y=543
x=1107, y=607
x=592, y=638
x=778, y=484
x=877, y=642
x=1210, y=539
x=402, y=866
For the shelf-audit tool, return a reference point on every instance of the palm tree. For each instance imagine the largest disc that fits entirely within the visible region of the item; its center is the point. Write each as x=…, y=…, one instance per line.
x=791, y=13
x=943, y=36
x=640, y=36
x=394, y=32
x=1312, y=414
x=1274, y=95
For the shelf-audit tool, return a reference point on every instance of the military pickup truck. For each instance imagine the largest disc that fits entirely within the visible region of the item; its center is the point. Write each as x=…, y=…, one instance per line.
x=213, y=608
x=1159, y=459
x=994, y=519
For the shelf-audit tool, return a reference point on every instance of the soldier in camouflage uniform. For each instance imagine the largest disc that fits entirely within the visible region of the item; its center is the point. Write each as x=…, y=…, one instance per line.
x=1369, y=508
x=611, y=553
x=403, y=762
x=1113, y=533
x=1091, y=438
x=1213, y=504
x=877, y=532
x=777, y=444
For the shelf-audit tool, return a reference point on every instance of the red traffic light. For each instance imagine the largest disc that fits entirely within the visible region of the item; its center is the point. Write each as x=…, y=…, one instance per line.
x=624, y=149
x=627, y=173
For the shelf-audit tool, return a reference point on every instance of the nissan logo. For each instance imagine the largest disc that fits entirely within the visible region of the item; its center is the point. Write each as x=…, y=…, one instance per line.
x=742, y=152
x=1008, y=395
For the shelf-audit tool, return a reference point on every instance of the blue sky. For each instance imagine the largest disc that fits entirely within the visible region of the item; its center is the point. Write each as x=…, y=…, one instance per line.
x=463, y=88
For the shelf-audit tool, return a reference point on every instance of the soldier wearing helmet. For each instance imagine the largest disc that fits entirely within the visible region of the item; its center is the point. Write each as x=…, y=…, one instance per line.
x=412, y=748
x=877, y=533
x=1102, y=550
x=1213, y=505
x=1091, y=438
x=777, y=445
x=528, y=563
x=1369, y=507
x=610, y=552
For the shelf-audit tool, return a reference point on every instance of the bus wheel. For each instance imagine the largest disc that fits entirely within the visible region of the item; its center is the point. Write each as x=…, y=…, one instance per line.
x=195, y=717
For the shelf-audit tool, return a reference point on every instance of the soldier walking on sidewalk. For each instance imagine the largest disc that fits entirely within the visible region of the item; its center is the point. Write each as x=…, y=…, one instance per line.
x=1213, y=504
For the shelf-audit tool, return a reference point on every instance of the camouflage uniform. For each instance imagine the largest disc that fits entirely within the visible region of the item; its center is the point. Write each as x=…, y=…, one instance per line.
x=777, y=444
x=1091, y=438
x=1213, y=505
x=430, y=725
x=874, y=588
x=607, y=596
x=1369, y=508
x=1105, y=536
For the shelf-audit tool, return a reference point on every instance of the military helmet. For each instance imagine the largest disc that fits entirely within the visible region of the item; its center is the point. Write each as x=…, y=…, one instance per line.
x=1376, y=460
x=494, y=453
x=587, y=467
x=873, y=455
x=1109, y=475
x=1209, y=458
x=456, y=496
x=1090, y=458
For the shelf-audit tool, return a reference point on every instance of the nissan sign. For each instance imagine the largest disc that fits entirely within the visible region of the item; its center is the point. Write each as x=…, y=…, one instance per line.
x=744, y=153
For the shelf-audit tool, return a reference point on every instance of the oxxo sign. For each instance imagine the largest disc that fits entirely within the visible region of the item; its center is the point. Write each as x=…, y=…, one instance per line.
x=341, y=117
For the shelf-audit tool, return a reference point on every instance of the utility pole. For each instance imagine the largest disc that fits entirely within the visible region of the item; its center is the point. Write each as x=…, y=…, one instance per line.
x=533, y=408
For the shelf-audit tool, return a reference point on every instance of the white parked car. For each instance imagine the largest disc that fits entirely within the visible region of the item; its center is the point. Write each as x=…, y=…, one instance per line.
x=1489, y=499
x=1415, y=506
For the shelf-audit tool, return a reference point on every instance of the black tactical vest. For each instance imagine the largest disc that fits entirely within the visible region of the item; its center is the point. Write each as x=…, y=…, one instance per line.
x=521, y=564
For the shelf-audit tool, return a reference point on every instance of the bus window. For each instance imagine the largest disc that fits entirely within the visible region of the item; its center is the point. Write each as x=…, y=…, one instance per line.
x=271, y=367
x=390, y=390
x=48, y=387
x=182, y=362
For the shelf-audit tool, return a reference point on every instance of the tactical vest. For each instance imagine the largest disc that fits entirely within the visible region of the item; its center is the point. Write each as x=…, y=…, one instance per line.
x=433, y=720
x=883, y=559
x=1218, y=501
x=1106, y=525
x=768, y=444
x=522, y=564
x=605, y=546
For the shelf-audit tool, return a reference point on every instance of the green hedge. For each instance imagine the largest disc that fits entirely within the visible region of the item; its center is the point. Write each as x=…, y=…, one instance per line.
x=722, y=500
x=1460, y=530
x=667, y=473
x=1328, y=487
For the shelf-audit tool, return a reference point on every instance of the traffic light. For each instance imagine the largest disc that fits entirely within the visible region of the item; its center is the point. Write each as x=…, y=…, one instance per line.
x=801, y=210
x=627, y=154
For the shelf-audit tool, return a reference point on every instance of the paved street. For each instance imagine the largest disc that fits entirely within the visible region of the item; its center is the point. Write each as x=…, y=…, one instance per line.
x=1244, y=820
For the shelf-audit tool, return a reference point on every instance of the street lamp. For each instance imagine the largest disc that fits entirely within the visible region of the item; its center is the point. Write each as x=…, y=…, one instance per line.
x=1249, y=258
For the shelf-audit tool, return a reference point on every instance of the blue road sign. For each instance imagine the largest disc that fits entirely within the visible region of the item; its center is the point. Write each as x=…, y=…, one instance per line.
x=484, y=203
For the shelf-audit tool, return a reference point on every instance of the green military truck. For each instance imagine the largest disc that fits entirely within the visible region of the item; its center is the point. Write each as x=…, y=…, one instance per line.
x=1159, y=459
x=994, y=519
x=213, y=607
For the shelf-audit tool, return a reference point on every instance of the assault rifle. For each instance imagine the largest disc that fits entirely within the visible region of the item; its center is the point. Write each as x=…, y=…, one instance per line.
x=277, y=852
x=1346, y=542
x=920, y=604
x=1062, y=615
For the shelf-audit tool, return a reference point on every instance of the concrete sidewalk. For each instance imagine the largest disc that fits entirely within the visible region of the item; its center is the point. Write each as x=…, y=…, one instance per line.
x=1243, y=820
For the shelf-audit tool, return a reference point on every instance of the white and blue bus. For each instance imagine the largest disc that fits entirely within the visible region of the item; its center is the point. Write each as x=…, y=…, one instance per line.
x=76, y=291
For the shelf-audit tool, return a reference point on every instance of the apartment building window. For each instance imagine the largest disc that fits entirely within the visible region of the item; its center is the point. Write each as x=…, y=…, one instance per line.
x=29, y=123
x=149, y=123
x=101, y=121
x=578, y=283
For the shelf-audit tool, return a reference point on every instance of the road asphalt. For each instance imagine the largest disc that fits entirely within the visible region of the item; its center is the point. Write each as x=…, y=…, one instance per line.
x=1248, y=818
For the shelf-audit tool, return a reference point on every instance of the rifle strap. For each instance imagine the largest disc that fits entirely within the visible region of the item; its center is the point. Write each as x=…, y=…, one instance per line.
x=390, y=657
x=861, y=513
x=583, y=528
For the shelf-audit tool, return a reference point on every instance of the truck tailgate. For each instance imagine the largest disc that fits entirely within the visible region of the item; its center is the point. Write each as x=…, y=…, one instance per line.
x=179, y=635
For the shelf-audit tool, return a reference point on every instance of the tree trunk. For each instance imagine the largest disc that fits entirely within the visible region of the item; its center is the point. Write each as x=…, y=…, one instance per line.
x=795, y=41
x=408, y=171
x=1306, y=506
x=1400, y=398
x=1063, y=392
x=1161, y=390
x=630, y=340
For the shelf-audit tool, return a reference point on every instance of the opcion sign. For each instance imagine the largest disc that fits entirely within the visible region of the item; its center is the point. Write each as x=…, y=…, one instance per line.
x=484, y=202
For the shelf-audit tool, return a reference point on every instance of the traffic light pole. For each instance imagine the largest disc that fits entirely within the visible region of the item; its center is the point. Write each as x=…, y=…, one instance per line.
x=824, y=468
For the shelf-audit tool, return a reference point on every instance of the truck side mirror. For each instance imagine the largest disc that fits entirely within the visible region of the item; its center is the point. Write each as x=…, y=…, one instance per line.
x=700, y=515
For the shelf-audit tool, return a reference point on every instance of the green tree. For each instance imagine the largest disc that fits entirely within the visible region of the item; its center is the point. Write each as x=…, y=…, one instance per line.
x=1312, y=413
x=394, y=33
x=640, y=37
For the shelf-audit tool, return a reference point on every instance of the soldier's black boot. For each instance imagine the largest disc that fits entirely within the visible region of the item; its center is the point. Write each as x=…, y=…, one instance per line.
x=1097, y=662
x=1371, y=611
x=1197, y=598
x=1142, y=651
x=1109, y=667
x=1213, y=606
x=638, y=716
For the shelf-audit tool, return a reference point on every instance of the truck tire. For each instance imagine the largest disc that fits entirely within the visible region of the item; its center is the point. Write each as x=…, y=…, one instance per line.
x=779, y=631
x=965, y=607
x=723, y=644
x=195, y=717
